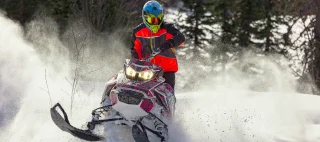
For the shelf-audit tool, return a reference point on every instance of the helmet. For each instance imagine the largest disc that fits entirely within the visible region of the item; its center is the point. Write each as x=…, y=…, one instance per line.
x=152, y=15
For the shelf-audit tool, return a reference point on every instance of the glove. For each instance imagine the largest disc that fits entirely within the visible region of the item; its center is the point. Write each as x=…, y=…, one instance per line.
x=165, y=46
x=134, y=54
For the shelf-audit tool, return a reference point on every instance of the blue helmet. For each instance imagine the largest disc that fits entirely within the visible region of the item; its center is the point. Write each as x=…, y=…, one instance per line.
x=152, y=15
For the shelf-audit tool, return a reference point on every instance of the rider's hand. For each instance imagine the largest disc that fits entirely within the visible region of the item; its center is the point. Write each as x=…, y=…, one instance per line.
x=157, y=50
x=134, y=54
x=165, y=46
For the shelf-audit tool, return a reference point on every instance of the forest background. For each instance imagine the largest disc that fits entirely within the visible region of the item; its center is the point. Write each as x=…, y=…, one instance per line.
x=218, y=32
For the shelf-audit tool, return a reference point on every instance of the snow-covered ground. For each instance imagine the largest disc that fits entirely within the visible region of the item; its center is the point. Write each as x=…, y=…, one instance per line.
x=249, y=116
x=216, y=114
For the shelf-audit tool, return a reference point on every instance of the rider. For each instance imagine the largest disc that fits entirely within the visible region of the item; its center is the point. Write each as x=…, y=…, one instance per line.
x=154, y=35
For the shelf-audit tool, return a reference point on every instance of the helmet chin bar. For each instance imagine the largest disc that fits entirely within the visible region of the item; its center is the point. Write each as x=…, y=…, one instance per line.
x=152, y=28
x=155, y=28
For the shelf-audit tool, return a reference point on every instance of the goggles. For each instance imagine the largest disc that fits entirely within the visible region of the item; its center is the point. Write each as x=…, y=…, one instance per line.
x=153, y=20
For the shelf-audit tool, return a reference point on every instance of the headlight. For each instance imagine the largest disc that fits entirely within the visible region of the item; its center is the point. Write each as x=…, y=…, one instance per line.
x=145, y=75
x=142, y=76
x=130, y=72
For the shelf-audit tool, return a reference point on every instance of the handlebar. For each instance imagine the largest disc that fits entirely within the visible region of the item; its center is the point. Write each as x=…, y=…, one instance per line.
x=153, y=54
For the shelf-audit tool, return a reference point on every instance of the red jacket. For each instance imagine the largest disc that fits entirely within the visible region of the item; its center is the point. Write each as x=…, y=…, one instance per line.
x=143, y=40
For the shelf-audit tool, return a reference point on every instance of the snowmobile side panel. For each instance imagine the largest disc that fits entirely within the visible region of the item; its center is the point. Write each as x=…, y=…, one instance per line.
x=64, y=124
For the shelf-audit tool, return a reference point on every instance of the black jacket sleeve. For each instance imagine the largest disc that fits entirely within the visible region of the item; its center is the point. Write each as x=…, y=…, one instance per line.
x=134, y=53
x=178, y=37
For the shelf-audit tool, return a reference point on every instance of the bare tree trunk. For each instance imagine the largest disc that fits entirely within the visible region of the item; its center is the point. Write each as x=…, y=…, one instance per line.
x=269, y=27
x=315, y=63
x=21, y=6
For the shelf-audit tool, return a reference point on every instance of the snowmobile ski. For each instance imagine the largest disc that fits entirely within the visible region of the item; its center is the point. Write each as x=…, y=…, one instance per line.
x=64, y=124
x=138, y=135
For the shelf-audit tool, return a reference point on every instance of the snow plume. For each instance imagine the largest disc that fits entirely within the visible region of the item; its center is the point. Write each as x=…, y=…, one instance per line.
x=41, y=66
x=243, y=69
x=94, y=56
x=226, y=104
x=16, y=57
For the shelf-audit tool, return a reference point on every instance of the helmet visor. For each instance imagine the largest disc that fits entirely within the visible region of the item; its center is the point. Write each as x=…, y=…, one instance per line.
x=152, y=20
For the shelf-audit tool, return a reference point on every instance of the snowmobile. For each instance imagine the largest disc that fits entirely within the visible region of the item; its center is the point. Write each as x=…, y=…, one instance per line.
x=136, y=97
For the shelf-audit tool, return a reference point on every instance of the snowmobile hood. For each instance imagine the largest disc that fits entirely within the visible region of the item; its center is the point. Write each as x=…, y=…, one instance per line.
x=142, y=86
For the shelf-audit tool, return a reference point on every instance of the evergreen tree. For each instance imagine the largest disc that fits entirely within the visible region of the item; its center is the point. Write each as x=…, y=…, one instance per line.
x=224, y=12
x=273, y=39
x=249, y=12
x=236, y=18
x=198, y=23
x=251, y=22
